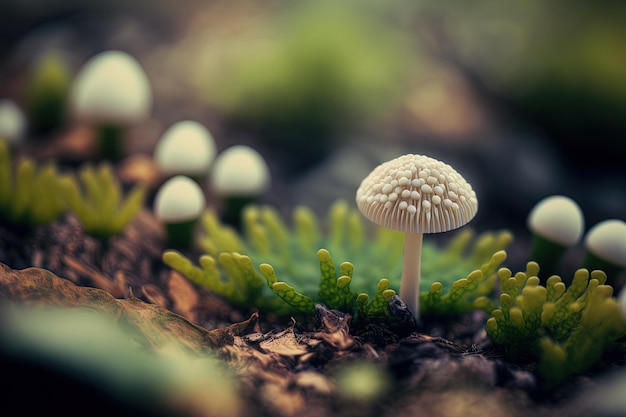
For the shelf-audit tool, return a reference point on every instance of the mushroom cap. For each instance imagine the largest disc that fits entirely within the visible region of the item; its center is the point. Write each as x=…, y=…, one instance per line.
x=607, y=240
x=240, y=171
x=111, y=87
x=12, y=121
x=417, y=194
x=557, y=218
x=186, y=147
x=179, y=199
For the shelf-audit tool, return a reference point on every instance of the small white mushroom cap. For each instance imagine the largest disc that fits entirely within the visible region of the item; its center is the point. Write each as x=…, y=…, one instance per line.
x=416, y=193
x=12, y=121
x=186, y=147
x=179, y=199
x=557, y=218
x=111, y=87
x=240, y=171
x=607, y=240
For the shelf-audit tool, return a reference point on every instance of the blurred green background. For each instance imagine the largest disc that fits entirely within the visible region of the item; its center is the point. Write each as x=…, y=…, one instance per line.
x=526, y=98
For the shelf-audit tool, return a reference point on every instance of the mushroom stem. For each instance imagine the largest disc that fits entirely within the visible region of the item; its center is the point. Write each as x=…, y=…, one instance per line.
x=411, y=265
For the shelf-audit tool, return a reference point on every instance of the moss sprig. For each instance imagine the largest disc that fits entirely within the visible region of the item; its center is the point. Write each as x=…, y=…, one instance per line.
x=474, y=292
x=99, y=202
x=29, y=192
x=560, y=330
x=362, y=283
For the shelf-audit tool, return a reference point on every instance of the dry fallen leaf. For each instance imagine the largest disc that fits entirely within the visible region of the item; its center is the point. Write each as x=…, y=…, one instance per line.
x=156, y=325
x=284, y=343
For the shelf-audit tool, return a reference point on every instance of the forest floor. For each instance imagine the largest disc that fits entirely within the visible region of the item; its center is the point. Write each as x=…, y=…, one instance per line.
x=286, y=367
x=283, y=367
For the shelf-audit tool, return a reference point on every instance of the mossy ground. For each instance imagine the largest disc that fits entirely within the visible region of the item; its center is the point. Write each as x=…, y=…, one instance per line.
x=292, y=368
x=449, y=368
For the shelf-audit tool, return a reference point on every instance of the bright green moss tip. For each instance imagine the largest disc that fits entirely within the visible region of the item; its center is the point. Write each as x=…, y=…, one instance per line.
x=365, y=280
x=97, y=199
x=30, y=193
x=562, y=330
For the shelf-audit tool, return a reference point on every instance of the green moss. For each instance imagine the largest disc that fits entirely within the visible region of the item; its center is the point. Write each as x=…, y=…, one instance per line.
x=366, y=278
x=29, y=192
x=293, y=76
x=473, y=292
x=47, y=92
x=559, y=330
x=100, y=204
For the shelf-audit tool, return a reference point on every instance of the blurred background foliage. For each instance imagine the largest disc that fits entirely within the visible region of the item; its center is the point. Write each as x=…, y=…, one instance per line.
x=528, y=96
x=559, y=65
x=310, y=72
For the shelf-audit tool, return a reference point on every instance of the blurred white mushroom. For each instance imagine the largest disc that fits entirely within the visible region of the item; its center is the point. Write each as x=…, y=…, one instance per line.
x=178, y=204
x=605, y=245
x=13, y=122
x=557, y=218
x=185, y=148
x=240, y=171
x=240, y=175
x=416, y=194
x=111, y=92
x=556, y=223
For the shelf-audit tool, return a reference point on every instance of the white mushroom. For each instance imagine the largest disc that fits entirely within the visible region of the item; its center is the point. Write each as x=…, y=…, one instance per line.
x=111, y=88
x=240, y=171
x=416, y=194
x=111, y=92
x=605, y=244
x=557, y=223
x=12, y=122
x=178, y=204
x=239, y=176
x=557, y=218
x=185, y=148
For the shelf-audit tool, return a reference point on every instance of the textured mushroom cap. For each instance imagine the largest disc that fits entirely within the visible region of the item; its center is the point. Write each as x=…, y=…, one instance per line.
x=557, y=218
x=416, y=193
x=240, y=171
x=111, y=88
x=607, y=240
x=179, y=199
x=12, y=121
x=186, y=147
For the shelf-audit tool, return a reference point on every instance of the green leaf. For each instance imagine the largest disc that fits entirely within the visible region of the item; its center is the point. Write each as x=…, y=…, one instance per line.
x=29, y=192
x=378, y=307
x=207, y=275
x=360, y=306
x=328, y=276
x=218, y=238
x=99, y=204
x=306, y=228
x=245, y=280
x=268, y=272
x=301, y=302
x=563, y=331
x=377, y=251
